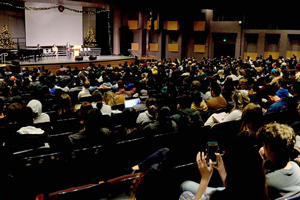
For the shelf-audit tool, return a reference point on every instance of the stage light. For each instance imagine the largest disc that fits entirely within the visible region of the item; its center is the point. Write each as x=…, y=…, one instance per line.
x=224, y=40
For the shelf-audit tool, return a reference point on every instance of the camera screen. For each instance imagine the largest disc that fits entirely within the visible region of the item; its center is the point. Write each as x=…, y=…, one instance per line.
x=211, y=153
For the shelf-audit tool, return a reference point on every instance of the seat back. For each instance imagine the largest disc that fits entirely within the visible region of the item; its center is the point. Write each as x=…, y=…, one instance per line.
x=65, y=125
x=225, y=133
x=89, y=191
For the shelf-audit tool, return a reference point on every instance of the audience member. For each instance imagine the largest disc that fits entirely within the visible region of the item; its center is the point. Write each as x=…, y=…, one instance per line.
x=66, y=109
x=150, y=114
x=39, y=116
x=216, y=102
x=93, y=132
x=100, y=104
x=163, y=124
x=240, y=101
x=85, y=90
x=186, y=116
x=283, y=175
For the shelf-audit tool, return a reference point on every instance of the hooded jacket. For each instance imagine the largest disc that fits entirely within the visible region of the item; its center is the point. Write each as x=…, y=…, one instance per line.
x=36, y=107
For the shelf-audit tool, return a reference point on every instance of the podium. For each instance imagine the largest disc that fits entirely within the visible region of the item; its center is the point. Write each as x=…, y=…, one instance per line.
x=76, y=49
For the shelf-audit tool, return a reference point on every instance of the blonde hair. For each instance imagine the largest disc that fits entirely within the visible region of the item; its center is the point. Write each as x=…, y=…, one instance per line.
x=108, y=98
x=240, y=100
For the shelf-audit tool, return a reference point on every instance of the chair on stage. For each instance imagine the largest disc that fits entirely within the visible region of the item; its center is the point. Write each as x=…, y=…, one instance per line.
x=50, y=53
x=85, y=51
x=81, y=53
x=45, y=53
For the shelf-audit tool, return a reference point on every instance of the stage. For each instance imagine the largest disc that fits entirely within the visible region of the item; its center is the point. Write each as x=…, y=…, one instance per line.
x=53, y=63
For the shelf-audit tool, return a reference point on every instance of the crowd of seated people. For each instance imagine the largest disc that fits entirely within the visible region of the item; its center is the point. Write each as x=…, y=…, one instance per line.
x=174, y=95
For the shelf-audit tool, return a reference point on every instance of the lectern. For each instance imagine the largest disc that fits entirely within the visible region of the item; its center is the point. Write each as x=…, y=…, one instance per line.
x=76, y=49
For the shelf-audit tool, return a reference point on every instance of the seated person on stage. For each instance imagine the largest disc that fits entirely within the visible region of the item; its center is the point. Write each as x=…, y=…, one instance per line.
x=283, y=175
x=216, y=102
x=55, y=50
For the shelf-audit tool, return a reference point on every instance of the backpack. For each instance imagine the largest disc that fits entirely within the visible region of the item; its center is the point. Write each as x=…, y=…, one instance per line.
x=190, y=120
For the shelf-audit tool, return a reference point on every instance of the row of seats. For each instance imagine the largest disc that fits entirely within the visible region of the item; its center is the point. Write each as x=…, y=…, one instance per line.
x=103, y=162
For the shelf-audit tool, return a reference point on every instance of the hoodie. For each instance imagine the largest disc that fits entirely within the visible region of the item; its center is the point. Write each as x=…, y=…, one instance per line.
x=36, y=107
x=281, y=93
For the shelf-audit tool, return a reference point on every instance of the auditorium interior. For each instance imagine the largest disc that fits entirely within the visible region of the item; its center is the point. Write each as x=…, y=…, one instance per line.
x=139, y=68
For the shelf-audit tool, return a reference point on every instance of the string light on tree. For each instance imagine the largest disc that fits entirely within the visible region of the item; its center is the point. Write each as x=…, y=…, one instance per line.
x=6, y=41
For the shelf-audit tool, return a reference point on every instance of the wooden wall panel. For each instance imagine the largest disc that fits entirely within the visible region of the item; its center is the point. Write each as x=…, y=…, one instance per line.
x=251, y=55
x=274, y=54
x=135, y=46
x=133, y=24
x=173, y=47
x=172, y=26
x=199, y=48
x=199, y=25
x=289, y=54
x=153, y=46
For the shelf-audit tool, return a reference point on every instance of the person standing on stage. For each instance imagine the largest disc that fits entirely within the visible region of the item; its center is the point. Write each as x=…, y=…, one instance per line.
x=40, y=50
x=68, y=50
x=55, y=50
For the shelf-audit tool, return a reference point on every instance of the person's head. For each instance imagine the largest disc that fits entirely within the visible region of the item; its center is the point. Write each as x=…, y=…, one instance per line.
x=243, y=84
x=215, y=89
x=184, y=101
x=27, y=116
x=84, y=108
x=196, y=85
x=92, y=120
x=151, y=104
x=196, y=97
x=97, y=96
x=86, y=84
x=108, y=98
x=240, y=100
x=36, y=107
x=270, y=91
x=65, y=104
x=13, y=113
x=129, y=117
x=251, y=119
x=164, y=114
x=54, y=45
x=238, y=159
x=278, y=143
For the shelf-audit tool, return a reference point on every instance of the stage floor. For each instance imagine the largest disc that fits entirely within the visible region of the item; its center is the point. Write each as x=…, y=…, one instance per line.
x=53, y=63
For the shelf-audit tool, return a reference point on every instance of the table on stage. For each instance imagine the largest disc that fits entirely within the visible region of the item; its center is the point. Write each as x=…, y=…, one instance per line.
x=76, y=49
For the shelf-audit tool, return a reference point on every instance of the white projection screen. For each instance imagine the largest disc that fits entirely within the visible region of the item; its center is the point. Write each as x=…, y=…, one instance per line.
x=48, y=27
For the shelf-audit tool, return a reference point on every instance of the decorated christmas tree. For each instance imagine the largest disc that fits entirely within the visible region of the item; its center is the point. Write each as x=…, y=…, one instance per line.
x=90, y=40
x=6, y=41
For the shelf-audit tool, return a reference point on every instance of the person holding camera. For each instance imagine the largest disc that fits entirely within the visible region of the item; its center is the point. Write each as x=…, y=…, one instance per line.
x=241, y=170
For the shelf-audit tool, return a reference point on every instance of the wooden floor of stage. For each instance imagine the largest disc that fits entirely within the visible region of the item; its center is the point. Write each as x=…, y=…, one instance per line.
x=53, y=63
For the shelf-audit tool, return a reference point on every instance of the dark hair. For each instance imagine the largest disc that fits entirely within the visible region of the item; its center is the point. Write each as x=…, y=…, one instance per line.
x=92, y=120
x=151, y=101
x=215, y=87
x=185, y=101
x=196, y=97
